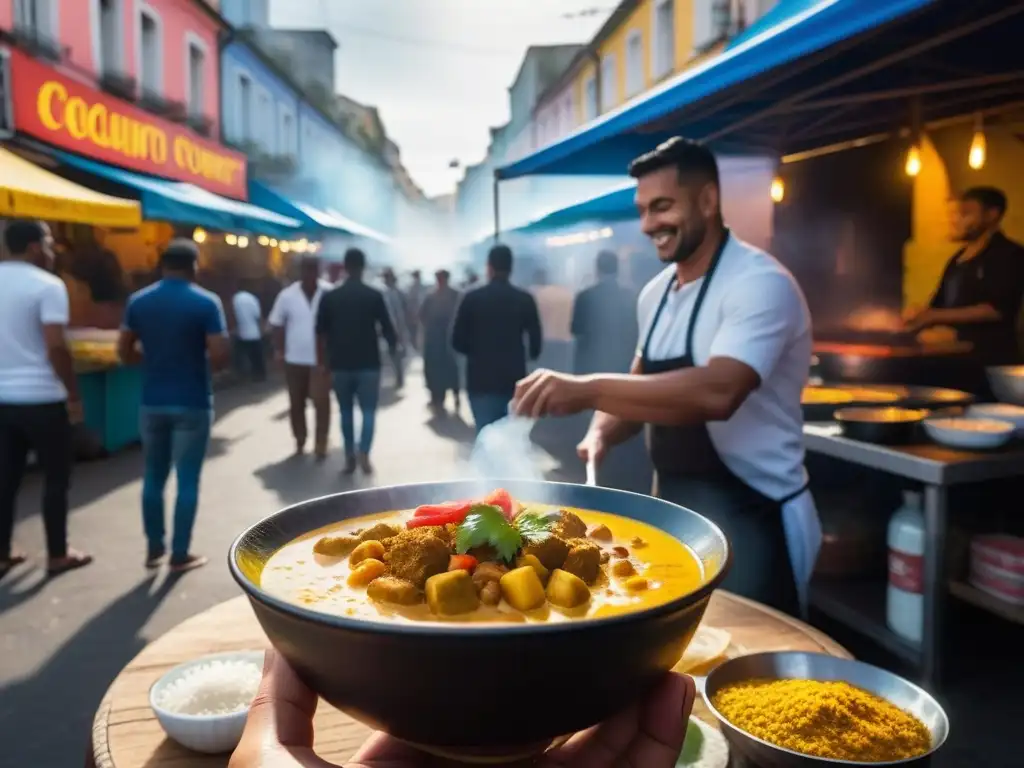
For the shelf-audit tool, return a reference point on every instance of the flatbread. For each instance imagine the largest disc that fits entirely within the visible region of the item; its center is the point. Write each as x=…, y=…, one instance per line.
x=709, y=644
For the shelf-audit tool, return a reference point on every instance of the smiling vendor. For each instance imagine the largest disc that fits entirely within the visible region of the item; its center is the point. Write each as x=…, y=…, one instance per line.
x=725, y=350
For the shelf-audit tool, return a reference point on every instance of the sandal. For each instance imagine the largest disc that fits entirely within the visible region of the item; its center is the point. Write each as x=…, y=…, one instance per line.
x=154, y=559
x=10, y=563
x=70, y=562
x=188, y=563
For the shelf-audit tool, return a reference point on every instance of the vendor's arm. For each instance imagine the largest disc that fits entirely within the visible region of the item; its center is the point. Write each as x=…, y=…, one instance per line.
x=613, y=429
x=128, y=347
x=760, y=319
x=1003, y=285
x=277, y=319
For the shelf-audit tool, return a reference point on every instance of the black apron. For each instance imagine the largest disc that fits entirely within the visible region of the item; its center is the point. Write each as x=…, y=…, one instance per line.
x=689, y=472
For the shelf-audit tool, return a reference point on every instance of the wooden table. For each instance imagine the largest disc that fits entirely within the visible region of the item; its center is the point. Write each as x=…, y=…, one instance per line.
x=126, y=734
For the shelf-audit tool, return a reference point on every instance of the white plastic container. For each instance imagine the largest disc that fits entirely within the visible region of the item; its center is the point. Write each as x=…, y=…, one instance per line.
x=905, y=597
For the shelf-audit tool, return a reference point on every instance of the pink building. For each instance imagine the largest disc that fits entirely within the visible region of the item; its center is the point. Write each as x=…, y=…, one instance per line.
x=164, y=53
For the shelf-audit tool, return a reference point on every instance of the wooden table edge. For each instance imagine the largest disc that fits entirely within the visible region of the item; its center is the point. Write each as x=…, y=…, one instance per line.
x=99, y=751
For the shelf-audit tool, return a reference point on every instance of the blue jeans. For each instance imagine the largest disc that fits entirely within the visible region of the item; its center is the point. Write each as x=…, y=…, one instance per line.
x=175, y=437
x=487, y=409
x=363, y=387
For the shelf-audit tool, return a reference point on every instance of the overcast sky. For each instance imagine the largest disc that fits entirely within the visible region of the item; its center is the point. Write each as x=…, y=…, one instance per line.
x=438, y=70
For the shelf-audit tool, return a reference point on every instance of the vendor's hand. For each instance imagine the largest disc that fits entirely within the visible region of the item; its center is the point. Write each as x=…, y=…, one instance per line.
x=917, y=320
x=593, y=447
x=547, y=393
x=279, y=731
x=76, y=412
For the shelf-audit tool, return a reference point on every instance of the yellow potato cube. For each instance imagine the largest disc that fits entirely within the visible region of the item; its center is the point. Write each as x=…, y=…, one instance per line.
x=335, y=546
x=451, y=593
x=623, y=569
x=522, y=589
x=365, y=572
x=533, y=562
x=636, y=584
x=365, y=551
x=567, y=590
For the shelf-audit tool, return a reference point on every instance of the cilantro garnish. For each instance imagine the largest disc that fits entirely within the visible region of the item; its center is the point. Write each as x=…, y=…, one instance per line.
x=486, y=525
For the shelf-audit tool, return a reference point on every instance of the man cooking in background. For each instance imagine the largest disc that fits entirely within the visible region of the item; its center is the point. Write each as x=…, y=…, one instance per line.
x=982, y=287
x=604, y=322
x=293, y=323
x=724, y=355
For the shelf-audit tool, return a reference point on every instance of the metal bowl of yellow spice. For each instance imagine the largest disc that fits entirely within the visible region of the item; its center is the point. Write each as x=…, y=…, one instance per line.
x=796, y=710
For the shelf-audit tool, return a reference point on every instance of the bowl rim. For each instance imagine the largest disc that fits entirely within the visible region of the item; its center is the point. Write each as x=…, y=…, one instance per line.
x=832, y=760
x=1008, y=427
x=461, y=629
x=157, y=709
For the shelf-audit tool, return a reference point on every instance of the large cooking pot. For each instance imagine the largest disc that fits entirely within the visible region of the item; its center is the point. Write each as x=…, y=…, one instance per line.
x=481, y=693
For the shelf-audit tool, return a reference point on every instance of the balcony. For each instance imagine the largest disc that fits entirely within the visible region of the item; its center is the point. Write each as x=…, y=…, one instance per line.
x=37, y=43
x=201, y=124
x=175, y=111
x=263, y=164
x=119, y=84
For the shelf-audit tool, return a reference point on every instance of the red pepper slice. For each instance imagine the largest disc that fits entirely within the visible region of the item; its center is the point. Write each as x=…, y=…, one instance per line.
x=462, y=563
x=448, y=507
x=428, y=520
x=503, y=500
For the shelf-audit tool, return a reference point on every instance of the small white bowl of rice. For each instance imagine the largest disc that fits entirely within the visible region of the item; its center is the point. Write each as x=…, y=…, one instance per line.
x=202, y=704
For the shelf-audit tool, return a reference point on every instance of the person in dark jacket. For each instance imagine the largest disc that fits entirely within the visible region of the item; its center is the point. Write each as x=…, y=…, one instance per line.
x=348, y=322
x=440, y=367
x=495, y=327
x=604, y=322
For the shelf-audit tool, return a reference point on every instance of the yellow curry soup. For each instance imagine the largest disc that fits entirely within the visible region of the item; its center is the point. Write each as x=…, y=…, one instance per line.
x=585, y=565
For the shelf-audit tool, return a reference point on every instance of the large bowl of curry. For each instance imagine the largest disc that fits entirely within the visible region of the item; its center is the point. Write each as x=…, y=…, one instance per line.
x=797, y=710
x=481, y=624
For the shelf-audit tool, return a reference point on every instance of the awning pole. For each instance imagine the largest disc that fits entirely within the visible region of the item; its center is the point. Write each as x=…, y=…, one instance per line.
x=497, y=208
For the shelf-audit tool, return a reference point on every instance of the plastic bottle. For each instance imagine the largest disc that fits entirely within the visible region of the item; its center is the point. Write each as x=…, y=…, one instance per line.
x=905, y=597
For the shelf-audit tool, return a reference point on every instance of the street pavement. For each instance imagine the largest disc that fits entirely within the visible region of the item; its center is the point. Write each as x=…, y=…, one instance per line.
x=63, y=640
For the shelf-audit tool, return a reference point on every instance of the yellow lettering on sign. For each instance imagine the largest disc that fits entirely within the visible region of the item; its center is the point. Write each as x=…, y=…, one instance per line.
x=134, y=139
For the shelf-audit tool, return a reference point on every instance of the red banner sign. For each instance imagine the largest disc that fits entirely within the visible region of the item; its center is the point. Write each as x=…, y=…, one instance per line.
x=65, y=113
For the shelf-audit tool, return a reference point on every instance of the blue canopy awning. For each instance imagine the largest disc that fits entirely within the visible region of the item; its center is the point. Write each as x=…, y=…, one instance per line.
x=811, y=73
x=182, y=203
x=615, y=204
x=311, y=217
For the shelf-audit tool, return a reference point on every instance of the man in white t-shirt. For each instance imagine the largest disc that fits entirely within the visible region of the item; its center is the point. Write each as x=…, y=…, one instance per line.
x=249, y=332
x=725, y=349
x=293, y=324
x=38, y=390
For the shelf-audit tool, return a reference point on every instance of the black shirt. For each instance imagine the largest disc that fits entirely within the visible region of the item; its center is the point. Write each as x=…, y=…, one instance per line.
x=348, y=320
x=491, y=327
x=996, y=277
x=605, y=328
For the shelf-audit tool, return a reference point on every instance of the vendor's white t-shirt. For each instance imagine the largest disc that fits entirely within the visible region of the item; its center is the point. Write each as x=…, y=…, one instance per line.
x=247, y=316
x=294, y=312
x=753, y=312
x=29, y=299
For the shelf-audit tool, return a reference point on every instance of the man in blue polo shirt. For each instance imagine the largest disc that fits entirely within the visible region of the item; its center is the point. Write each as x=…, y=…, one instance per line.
x=177, y=331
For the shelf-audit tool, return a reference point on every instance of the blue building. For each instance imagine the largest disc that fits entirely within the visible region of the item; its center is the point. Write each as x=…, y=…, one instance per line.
x=296, y=147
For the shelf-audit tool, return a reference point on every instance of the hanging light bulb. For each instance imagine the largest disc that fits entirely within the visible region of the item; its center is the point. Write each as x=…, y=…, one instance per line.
x=230, y=239
x=976, y=156
x=778, y=190
x=243, y=242
x=263, y=240
x=199, y=235
x=913, y=166
x=284, y=246
x=273, y=242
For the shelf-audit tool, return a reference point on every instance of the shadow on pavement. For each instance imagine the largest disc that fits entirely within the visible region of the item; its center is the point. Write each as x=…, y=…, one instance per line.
x=452, y=426
x=300, y=478
x=67, y=689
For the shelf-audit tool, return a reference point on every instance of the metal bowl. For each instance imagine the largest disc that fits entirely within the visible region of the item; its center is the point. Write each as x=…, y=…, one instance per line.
x=795, y=665
x=1007, y=382
x=885, y=426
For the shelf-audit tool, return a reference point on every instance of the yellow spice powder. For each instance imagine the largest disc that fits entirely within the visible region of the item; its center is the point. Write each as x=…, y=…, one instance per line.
x=824, y=719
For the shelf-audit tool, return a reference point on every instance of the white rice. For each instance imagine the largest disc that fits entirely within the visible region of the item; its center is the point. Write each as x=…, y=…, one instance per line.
x=217, y=687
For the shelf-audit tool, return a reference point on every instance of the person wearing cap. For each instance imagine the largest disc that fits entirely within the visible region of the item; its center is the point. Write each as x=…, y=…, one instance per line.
x=176, y=331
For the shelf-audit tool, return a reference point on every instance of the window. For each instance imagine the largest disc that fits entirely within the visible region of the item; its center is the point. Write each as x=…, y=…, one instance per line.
x=108, y=40
x=590, y=99
x=287, y=134
x=266, y=126
x=634, y=62
x=609, y=83
x=37, y=16
x=244, y=123
x=568, y=120
x=664, y=48
x=150, y=52
x=195, y=74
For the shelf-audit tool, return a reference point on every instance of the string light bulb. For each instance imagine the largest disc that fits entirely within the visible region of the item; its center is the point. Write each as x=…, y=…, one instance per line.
x=976, y=155
x=273, y=242
x=243, y=242
x=913, y=165
x=231, y=239
x=778, y=190
x=199, y=235
x=263, y=240
x=284, y=246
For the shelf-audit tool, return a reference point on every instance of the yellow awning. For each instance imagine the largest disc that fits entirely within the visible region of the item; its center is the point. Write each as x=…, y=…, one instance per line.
x=29, y=192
